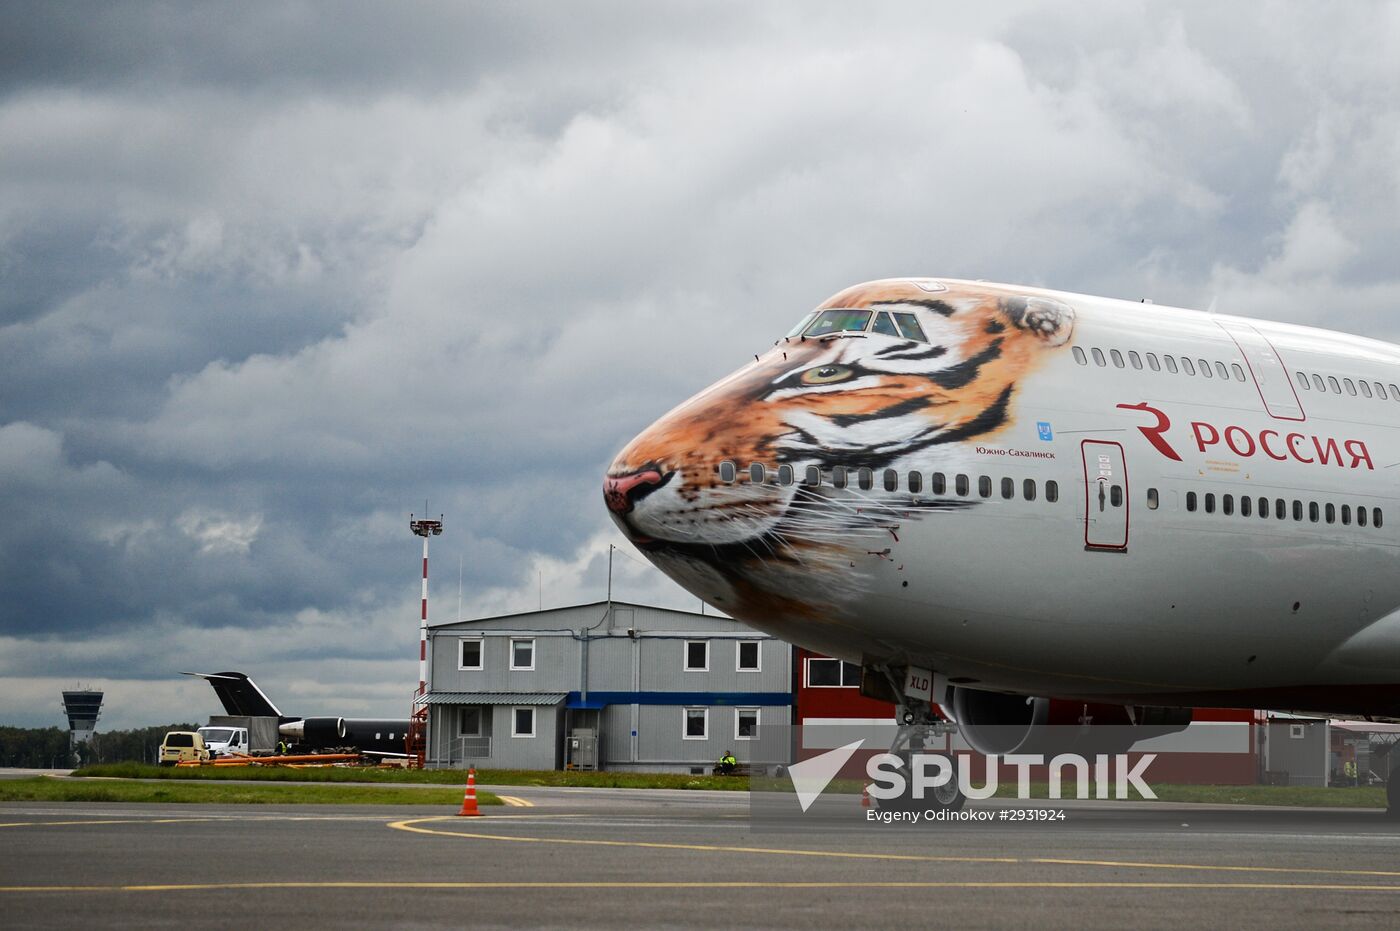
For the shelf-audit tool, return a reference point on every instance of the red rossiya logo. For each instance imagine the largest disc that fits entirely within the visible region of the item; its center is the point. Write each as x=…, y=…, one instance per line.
x=1154, y=433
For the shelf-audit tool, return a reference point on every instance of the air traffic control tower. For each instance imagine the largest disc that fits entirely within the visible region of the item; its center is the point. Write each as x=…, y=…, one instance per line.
x=82, y=707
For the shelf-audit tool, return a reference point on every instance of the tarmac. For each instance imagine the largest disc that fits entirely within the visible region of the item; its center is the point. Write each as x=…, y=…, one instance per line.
x=656, y=858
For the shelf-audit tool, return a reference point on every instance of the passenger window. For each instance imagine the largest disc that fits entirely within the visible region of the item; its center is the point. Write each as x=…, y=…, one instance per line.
x=1210, y=502
x=1297, y=509
x=1187, y=367
x=1223, y=372
x=1365, y=387
x=1205, y=369
x=1227, y=504
x=1190, y=499
x=1351, y=386
x=813, y=477
x=884, y=325
x=1376, y=520
x=916, y=483
x=1052, y=493
x=1380, y=391
x=963, y=485
x=1171, y=364
x=1281, y=509
x=1264, y=508
x=1098, y=358
x=784, y=474
x=838, y=477
x=1135, y=359
x=1318, y=383
x=1117, y=358
x=756, y=473
x=1152, y=362
x=1314, y=512
x=1080, y=357
x=1115, y=496
x=1152, y=500
x=940, y=484
x=1346, y=515
x=984, y=486
x=1239, y=372
x=909, y=327
x=1028, y=489
x=1361, y=517
x=1008, y=489
x=1331, y=513
x=1246, y=505
x=1394, y=392
x=891, y=480
x=1332, y=381
x=727, y=472
x=1302, y=381
x=865, y=479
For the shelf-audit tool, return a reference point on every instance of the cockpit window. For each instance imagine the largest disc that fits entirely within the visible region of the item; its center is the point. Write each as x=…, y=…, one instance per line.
x=884, y=325
x=802, y=325
x=838, y=321
x=909, y=327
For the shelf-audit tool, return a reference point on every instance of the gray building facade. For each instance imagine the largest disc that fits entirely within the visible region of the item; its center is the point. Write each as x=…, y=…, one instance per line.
x=608, y=685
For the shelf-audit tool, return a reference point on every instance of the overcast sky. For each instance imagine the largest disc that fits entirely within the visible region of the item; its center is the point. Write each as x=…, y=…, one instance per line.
x=273, y=274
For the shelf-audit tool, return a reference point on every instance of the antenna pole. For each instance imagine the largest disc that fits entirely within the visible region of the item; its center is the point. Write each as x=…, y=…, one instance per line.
x=610, y=552
x=415, y=742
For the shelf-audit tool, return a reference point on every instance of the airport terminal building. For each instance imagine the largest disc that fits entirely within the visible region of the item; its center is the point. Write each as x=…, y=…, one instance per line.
x=607, y=685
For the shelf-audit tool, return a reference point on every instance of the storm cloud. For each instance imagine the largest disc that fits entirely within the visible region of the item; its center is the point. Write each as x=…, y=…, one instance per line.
x=272, y=276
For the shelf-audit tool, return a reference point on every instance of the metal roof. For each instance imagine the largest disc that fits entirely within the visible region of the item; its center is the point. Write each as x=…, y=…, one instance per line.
x=494, y=698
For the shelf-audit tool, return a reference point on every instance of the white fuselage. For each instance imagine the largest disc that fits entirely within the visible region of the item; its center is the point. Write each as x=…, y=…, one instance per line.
x=1136, y=585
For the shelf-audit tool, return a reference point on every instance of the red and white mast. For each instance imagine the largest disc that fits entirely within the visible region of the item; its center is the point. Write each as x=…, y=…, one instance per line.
x=424, y=529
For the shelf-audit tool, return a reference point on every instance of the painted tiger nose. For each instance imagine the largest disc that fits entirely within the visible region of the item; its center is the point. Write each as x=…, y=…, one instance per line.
x=622, y=492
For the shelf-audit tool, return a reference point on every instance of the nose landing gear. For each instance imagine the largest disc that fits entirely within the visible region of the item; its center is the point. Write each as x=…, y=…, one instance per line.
x=918, y=729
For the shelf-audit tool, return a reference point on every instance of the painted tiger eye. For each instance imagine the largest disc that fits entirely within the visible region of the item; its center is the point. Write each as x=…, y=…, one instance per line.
x=827, y=375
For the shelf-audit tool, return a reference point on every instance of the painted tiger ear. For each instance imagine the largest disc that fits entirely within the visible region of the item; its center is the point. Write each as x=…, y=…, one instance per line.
x=1047, y=319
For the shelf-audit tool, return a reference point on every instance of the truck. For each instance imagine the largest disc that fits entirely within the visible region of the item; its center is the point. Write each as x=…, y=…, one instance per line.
x=240, y=735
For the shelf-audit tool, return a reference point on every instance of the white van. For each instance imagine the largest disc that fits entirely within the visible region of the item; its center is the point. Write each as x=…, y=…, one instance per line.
x=225, y=741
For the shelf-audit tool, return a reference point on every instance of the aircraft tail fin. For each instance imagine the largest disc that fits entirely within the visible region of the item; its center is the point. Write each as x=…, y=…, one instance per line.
x=239, y=694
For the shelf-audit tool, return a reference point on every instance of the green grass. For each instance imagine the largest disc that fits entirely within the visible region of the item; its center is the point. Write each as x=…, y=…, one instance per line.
x=45, y=789
x=454, y=777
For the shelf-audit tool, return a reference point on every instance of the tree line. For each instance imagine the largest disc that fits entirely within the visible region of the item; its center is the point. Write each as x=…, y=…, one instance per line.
x=46, y=747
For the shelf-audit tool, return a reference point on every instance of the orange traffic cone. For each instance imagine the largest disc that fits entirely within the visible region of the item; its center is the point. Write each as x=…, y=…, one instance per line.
x=865, y=796
x=469, y=808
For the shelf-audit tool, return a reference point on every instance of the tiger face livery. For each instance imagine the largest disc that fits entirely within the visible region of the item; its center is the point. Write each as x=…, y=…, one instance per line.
x=894, y=374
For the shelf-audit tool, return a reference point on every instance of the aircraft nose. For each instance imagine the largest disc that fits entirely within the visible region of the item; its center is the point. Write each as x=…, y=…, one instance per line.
x=622, y=492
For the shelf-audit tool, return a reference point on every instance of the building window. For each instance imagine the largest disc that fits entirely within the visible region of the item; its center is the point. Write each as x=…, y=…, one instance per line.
x=522, y=654
x=745, y=723
x=697, y=724
x=1297, y=731
x=697, y=656
x=747, y=656
x=469, y=723
x=522, y=722
x=826, y=673
x=469, y=654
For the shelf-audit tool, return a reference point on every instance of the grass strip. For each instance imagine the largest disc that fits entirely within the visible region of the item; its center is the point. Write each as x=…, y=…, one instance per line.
x=205, y=792
x=389, y=775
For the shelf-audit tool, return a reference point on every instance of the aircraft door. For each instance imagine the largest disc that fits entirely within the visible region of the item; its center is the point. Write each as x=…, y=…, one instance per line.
x=1105, y=496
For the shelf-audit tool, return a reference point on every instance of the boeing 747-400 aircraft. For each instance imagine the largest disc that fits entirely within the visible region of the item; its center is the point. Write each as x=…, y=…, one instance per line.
x=1016, y=501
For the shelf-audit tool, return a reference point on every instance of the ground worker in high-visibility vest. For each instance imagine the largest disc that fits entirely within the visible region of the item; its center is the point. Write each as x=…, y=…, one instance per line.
x=1350, y=770
x=727, y=763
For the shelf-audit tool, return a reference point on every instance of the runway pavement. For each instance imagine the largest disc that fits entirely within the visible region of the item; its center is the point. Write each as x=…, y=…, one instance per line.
x=648, y=858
